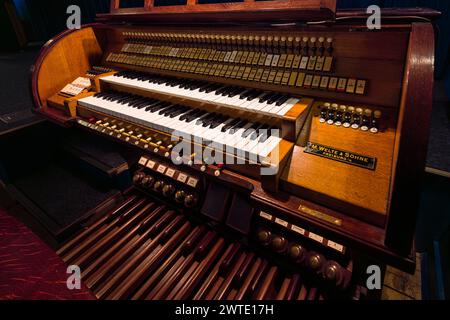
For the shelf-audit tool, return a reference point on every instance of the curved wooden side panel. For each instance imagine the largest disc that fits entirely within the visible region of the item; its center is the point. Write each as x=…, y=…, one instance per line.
x=61, y=60
x=412, y=138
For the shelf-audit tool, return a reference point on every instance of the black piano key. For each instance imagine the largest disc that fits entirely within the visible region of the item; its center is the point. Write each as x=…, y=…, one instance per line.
x=255, y=94
x=211, y=120
x=245, y=94
x=266, y=135
x=113, y=97
x=260, y=131
x=220, y=90
x=231, y=125
x=282, y=100
x=167, y=108
x=227, y=91
x=274, y=98
x=266, y=97
x=204, y=118
x=180, y=111
x=219, y=121
x=174, y=111
x=125, y=99
x=251, y=130
x=205, y=87
x=198, y=117
x=237, y=126
x=159, y=107
x=212, y=88
x=186, y=115
x=137, y=102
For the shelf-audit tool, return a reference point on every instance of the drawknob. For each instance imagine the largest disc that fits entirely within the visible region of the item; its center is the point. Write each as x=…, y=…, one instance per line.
x=190, y=201
x=159, y=185
x=137, y=178
x=147, y=181
x=180, y=196
x=316, y=261
x=278, y=243
x=168, y=190
x=296, y=252
x=332, y=272
x=264, y=237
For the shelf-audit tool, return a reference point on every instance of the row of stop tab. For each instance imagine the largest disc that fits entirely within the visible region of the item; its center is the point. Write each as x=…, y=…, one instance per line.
x=322, y=43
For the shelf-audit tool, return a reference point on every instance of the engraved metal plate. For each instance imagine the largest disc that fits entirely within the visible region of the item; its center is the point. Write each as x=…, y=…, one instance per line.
x=343, y=156
x=320, y=215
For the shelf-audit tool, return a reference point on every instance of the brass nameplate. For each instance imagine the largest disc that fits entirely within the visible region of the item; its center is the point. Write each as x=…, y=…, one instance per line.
x=347, y=157
x=320, y=215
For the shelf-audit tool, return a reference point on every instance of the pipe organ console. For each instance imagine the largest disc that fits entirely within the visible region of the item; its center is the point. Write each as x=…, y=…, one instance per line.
x=281, y=145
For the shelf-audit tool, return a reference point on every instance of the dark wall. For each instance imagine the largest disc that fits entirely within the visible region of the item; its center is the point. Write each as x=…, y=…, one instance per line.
x=46, y=18
x=8, y=35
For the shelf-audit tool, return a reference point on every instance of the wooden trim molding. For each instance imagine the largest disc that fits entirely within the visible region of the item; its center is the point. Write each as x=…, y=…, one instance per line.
x=412, y=138
x=247, y=10
x=57, y=47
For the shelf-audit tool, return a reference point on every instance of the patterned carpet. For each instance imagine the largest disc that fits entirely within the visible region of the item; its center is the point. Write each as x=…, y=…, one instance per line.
x=30, y=270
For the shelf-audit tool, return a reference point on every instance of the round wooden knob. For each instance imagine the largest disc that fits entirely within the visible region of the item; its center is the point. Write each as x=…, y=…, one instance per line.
x=264, y=236
x=278, y=243
x=332, y=272
x=147, y=181
x=190, y=201
x=137, y=178
x=168, y=190
x=159, y=185
x=180, y=196
x=316, y=261
x=296, y=252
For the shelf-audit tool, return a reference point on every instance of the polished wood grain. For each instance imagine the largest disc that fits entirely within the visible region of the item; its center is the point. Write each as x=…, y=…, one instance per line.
x=357, y=191
x=61, y=60
x=68, y=105
x=406, y=13
x=412, y=138
x=69, y=58
x=246, y=11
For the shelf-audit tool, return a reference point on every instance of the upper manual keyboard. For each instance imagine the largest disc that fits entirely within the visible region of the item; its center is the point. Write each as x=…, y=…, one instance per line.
x=263, y=102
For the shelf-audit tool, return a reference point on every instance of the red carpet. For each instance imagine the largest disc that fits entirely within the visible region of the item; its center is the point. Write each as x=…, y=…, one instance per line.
x=29, y=269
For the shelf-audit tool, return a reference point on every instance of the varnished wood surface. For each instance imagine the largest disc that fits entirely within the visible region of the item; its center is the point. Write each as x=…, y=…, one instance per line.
x=246, y=11
x=412, y=138
x=391, y=13
x=361, y=192
x=67, y=60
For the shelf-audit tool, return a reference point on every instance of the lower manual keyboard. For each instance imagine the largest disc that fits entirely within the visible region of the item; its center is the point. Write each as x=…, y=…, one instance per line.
x=244, y=139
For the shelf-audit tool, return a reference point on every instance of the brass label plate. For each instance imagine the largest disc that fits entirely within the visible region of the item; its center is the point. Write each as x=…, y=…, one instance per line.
x=320, y=215
x=343, y=156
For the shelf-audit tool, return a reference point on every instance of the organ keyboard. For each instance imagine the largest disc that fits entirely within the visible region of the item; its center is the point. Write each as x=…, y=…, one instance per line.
x=281, y=151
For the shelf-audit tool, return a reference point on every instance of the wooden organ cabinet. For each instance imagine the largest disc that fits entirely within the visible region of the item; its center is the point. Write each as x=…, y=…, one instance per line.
x=324, y=124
